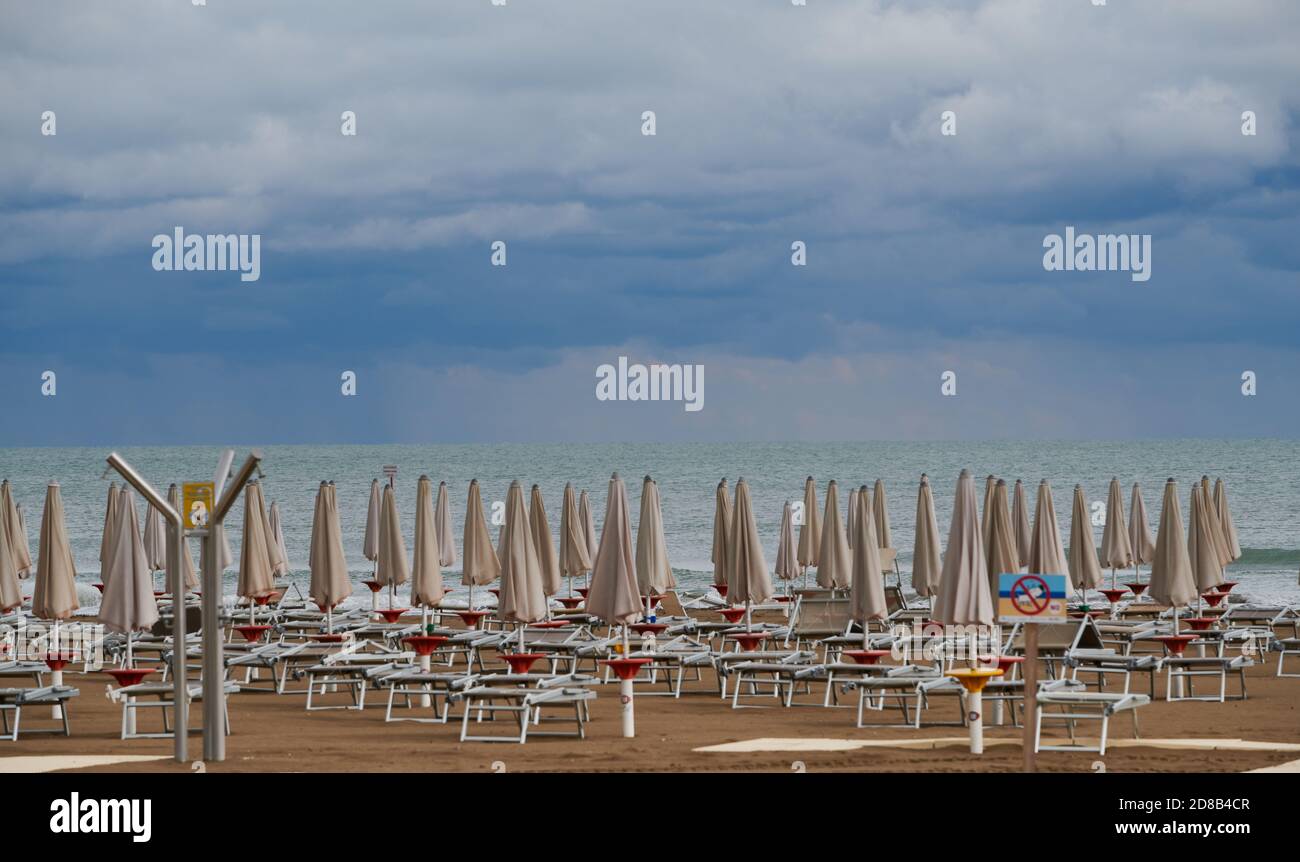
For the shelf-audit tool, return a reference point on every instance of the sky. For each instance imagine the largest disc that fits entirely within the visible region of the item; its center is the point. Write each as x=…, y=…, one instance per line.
x=523, y=123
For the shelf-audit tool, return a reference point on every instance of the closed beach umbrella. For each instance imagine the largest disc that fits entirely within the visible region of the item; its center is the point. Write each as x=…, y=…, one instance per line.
x=1216, y=529
x=747, y=581
x=851, y=514
x=522, y=597
x=107, y=536
x=989, y=484
x=481, y=566
x=1226, y=527
x=867, y=592
x=442, y=521
x=654, y=574
x=278, y=564
x=547, y=558
x=1202, y=552
x=426, y=573
x=1116, y=549
x=721, y=533
x=1171, y=569
x=256, y=579
x=54, y=596
x=128, y=605
x=810, y=531
x=787, y=547
x=391, y=569
x=880, y=510
x=370, y=544
x=1046, y=557
x=187, y=562
x=1020, y=522
x=11, y=594
x=574, y=556
x=155, y=540
x=11, y=518
x=614, y=597
x=330, y=583
x=1001, y=554
x=927, y=562
x=588, y=525
x=1140, y=541
x=964, y=597
x=1085, y=571
x=835, y=559
x=277, y=536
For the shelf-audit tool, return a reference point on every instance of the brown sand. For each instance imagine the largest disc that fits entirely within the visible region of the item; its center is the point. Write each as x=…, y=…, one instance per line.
x=274, y=733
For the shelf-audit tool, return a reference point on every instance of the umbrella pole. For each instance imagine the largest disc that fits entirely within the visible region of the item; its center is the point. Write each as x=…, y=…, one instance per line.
x=56, y=676
x=329, y=621
x=1112, y=577
x=625, y=695
x=749, y=622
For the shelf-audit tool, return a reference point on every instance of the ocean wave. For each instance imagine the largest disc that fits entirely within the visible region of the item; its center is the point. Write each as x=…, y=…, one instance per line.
x=1269, y=557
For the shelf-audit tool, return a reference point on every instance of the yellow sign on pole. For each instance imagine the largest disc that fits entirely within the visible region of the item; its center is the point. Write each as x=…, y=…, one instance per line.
x=197, y=502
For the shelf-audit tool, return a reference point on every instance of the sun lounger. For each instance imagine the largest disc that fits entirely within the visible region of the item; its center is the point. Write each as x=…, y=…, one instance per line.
x=907, y=685
x=1105, y=663
x=779, y=679
x=351, y=672
x=12, y=701
x=414, y=685
x=133, y=699
x=33, y=670
x=1183, y=669
x=1079, y=705
x=724, y=663
x=819, y=616
x=526, y=697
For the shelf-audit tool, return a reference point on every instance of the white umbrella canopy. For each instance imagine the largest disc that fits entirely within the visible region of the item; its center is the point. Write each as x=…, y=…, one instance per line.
x=989, y=484
x=927, y=560
x=787, y=546
x=522, y=597
x=442, y=521
x=1002, y=556
x=106, y=538
x=1116, y=549
x=481, y=564
x=588, y=526
x=835, y=559
x=11, y=518
x=1226, y=526
x=155, y=539
x=1216, y=528
x=720, y=555
x=256, y=577
x=614, y=596
x=880, y=510
x=128, y=604
x=1202, y=552
x=1085, y=571
x=964, y=597
x=547, y=558
x=54, y=596
x=330, y=583
x=654, y=574
x=574, y=556
x=1171, y=570
x=372, y=539
x=187, y=562
x=747, y=579
x=277, y=536
x=1046, y=556
x=810, y=531
x=1020, y=522
x=11, y=594
x=1140, y=540
x=851, y=514
x=426, y=574
x=867, y=591
x=392, y=569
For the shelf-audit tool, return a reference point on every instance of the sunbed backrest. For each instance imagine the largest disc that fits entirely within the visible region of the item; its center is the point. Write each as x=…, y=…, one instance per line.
x=821, y=615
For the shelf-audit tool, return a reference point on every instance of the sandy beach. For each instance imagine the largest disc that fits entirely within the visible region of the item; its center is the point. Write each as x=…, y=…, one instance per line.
x=274, y=733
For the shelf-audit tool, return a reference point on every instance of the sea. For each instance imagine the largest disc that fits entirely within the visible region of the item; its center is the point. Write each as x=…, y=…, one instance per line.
x=1262, y=479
